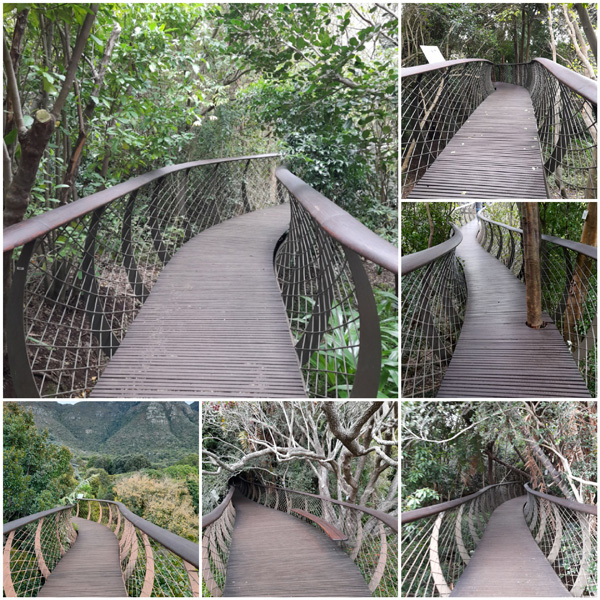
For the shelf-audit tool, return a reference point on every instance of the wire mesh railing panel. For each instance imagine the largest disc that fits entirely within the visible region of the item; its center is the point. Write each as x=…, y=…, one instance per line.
x=437, y=547
x=569, y=540
x=330, y=307
x=435, y=104
x=464, y=213
x=433, y=304
x=216, y=543
x=569, y=278
x=32, y=551
x=77, y=288
x=371, y=544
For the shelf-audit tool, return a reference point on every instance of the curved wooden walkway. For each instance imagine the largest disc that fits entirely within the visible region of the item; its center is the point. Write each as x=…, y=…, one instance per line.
x=91, y=567
x=495, y=154
x=215, y=323
x=276, y=554
x=508, y=562
x=497, y=355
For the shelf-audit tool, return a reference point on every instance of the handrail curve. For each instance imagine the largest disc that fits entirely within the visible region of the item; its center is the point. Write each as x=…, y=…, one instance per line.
x=569, y=286
x=17, y=523
x=420, y=259
x=81, y=273
x=567, y=533
x=154, y=561
x=372, y=535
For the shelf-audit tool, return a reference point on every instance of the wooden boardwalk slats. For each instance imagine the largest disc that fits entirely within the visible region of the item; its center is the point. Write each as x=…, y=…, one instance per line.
x=276, y=554
x=91, y=567
x=507, y=561
x=495, y=154
x=497, y=355
x=215, y=323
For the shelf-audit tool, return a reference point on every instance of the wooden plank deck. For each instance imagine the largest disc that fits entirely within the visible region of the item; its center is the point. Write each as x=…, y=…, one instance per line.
x=215, y=323
x=507, y=561
x=497, y=355
x=495, y=154
x=276, y=554
x=91, y=567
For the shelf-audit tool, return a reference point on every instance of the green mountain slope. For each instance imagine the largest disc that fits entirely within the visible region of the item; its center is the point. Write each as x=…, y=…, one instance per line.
x=155, y=429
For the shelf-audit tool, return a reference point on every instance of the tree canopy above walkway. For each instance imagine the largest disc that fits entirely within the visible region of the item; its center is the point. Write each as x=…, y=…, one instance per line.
x=451, y=449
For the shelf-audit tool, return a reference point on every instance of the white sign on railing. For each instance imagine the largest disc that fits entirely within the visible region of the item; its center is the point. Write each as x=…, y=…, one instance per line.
x=432, y=54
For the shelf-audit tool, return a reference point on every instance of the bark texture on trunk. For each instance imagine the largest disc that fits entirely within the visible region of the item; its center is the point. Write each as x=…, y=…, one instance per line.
x=531, y=256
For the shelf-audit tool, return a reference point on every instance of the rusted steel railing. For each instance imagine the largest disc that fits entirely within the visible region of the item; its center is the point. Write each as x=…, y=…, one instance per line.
x=217, y=531
x=372, y=535
x=433, y=304
x=567, y=534
x=154, y=561
x=437, y=99
x=569, y=286
x=81, y=273
x=33, y=546
x=329, y=301
x=565, y=105
x=438, y=541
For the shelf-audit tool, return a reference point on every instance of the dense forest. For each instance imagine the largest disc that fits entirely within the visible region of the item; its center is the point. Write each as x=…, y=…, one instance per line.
x=503, y=33
x=40, y=474
x=96, y=94
x=452, y=449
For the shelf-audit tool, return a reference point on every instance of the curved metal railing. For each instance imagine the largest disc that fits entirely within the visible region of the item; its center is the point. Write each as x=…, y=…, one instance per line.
x=433, y=301
x=438, y=541
x=154, y=561
x=372, y=535
x=565, y=105
x=329, y=301
x=567, y=534
x=81, y=273
x=569, y=286
x=217, y=530
x=33, y=546
x=437, y=99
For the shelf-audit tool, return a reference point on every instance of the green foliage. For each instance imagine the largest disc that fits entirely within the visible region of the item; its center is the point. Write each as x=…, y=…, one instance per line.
x=37, y=474
x=416, y=228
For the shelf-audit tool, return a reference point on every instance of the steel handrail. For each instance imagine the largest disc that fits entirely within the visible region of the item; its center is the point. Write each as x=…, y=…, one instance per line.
x=30, y=229
x=389, y=520
x=429, y=511
x=590, y=509
x=420, y=69
x=212, y=516
x=185, y=549
x=414, y=261
x=585, y=249
x=340, y=225
x=12, y=525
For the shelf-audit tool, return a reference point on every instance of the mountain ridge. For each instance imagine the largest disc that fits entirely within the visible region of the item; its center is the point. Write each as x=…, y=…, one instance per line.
x=157, y=429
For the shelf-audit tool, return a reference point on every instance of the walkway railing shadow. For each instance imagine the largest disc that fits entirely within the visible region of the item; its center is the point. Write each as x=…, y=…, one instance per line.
x=438, y=541
x=154, y=561
x=567, y=534
x=81, y=273
x=439, y=98
x=569, y=286
x=433, y=303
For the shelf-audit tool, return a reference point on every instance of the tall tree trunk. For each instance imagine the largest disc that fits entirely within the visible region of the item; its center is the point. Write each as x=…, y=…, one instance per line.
x=516, y=44
x=531, y=257
x=431, y=226
x=522, y=55
x=588, y=28
x=547, y=464
x=550, y=27
x=580, y=284
x=528, y=40
x=15, y=56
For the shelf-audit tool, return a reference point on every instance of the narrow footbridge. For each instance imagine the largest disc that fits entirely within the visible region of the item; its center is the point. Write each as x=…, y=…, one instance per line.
x=226, y=277
x=477, y=130
x=96, y=548
x=297, y=544
x=505, y=540
x=464, y=315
